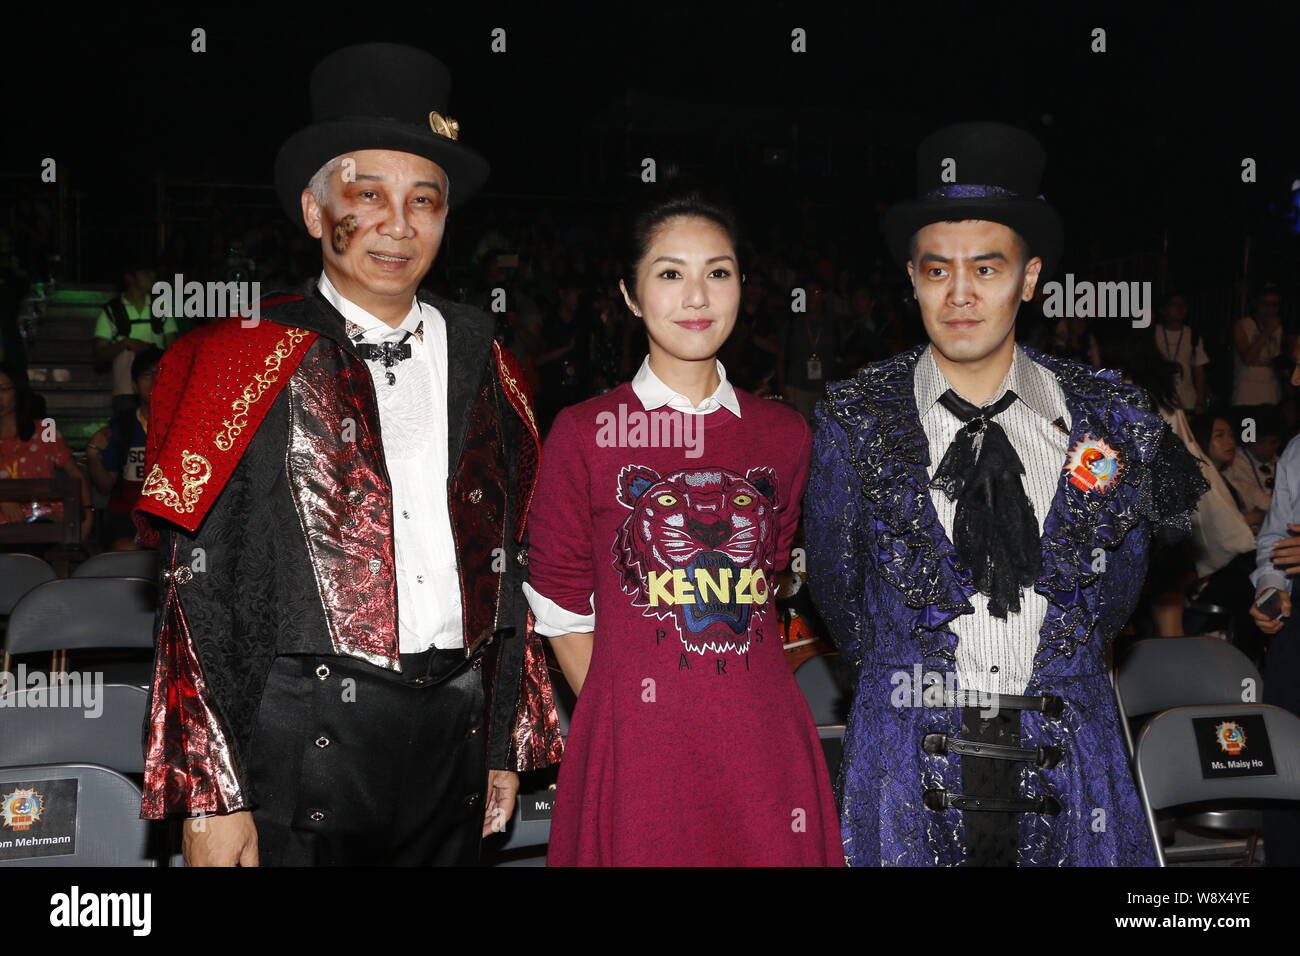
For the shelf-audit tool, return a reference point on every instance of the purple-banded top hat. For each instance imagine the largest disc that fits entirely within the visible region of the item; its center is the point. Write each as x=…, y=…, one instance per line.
x=996, y=170
x=378, y=96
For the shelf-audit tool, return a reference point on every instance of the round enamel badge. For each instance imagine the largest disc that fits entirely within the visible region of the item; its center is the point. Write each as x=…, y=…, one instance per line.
x=1093, y=465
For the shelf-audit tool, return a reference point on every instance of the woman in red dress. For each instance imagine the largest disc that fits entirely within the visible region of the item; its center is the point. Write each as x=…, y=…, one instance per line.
x=663, y=511
x=29, y=449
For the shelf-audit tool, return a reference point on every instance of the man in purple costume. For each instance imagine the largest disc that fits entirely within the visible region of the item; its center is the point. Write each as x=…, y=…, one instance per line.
x=979, y=517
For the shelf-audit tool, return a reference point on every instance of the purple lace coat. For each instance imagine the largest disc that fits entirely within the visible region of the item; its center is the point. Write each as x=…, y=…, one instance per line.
x=887, y=583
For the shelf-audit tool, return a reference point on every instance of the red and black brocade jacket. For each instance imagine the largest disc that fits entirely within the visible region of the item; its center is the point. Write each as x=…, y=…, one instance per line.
x=267, y=493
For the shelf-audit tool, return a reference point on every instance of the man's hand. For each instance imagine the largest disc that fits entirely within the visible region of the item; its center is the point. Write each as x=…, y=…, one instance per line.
x=1286, y=552
x=502, y=788
x=227, y=840
x=1265, y=624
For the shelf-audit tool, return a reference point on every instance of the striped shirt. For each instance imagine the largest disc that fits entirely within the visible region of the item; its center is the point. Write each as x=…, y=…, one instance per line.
x=998, y=655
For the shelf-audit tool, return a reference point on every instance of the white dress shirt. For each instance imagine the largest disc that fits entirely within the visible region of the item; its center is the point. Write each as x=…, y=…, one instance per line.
x=551, y=620
x=996, y=655
x=413, y=428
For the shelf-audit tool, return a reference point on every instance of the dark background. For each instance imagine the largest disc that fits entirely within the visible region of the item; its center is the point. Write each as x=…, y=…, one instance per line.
x=1143, y=139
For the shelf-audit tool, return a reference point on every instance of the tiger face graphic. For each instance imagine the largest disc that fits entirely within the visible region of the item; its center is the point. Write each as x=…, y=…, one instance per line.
x=696, y=548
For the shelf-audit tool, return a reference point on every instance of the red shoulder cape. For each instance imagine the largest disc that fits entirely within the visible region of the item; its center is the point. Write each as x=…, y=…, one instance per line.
x=213, y=389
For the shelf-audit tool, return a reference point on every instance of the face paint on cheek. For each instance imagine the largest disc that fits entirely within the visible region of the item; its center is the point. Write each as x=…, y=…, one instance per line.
x=343, y=230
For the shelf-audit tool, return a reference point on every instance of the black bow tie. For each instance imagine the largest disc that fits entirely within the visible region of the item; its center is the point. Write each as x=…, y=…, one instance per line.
x=389, y=353
x=995, y=532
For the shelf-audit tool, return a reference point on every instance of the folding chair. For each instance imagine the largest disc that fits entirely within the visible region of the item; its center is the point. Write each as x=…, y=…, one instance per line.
x=120, y=564
x=84, y=614
x=19, y=573
x=1169, y=769
x=1163, y=672
x=105, y=730
x=816, y=679
x=95, y=806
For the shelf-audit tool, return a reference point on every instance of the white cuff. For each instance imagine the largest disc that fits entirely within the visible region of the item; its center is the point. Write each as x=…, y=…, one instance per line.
x=1271, y=578
x=551, y=620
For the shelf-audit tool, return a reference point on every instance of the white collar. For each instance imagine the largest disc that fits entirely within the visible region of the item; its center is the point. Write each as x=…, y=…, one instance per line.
x=361, y=324
x=1033, y=385
x=653, y=393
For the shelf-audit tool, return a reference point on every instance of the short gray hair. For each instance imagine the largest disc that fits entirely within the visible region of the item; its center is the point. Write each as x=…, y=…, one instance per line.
x=319, y=185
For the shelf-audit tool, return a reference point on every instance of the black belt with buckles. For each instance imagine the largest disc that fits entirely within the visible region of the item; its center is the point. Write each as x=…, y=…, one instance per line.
x=940, y=799
x=992, y=753
x=942, y=744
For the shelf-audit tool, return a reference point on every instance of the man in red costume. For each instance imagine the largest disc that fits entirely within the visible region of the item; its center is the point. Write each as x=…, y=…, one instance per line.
x=346, y=671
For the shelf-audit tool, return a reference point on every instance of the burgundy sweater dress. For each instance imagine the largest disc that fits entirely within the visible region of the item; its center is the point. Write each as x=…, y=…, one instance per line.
x=691, y=743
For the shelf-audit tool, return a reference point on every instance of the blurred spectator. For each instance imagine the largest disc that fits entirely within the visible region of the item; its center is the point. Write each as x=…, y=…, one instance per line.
x=126, y=326
x=1215, y=435
x=812, y=351
x=751, y=351
x=519, y=321
x=564, y=362
x=1256, y=347
x=1179, y=343
x=1251, y=471
x=116, y=462
x=27, y=451
x=1074, y=339
x=864, y=339
x=14, y=284
x=1277, y=560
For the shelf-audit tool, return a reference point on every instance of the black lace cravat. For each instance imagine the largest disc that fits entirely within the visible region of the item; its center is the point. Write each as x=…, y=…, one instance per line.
x=995, y=532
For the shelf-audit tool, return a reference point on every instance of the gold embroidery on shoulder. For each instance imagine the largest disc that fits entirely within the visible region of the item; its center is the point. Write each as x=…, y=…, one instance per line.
x=513, y=385
x=197, y=471
x=253, y=391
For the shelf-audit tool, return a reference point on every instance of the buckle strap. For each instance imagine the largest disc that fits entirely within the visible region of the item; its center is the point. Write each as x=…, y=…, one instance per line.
x=1050, y=704
x=943, y=744
x=939, y=799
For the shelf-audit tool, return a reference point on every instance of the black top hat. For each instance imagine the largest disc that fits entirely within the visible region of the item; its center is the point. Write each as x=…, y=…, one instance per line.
x=998, y=169
x=377, y=96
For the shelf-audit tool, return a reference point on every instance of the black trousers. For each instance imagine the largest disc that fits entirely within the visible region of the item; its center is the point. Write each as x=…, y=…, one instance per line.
x=1282, y=687
x=355, y=765
x=992, y=836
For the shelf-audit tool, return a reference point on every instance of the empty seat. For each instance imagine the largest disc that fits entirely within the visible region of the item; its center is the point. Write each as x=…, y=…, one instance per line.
x=1169, y=766
x=87, y=815
x=120, y=564
x=74, y=723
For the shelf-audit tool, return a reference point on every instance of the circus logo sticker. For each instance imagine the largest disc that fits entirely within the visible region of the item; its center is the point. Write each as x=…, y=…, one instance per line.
x=1093, y=465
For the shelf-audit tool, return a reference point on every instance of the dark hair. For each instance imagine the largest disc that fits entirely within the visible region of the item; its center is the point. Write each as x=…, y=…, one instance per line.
x=1021, y=243
x=25, y=400
x=144, y=359
x=1203, y=428
x=131, y=267
x=648, y=222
